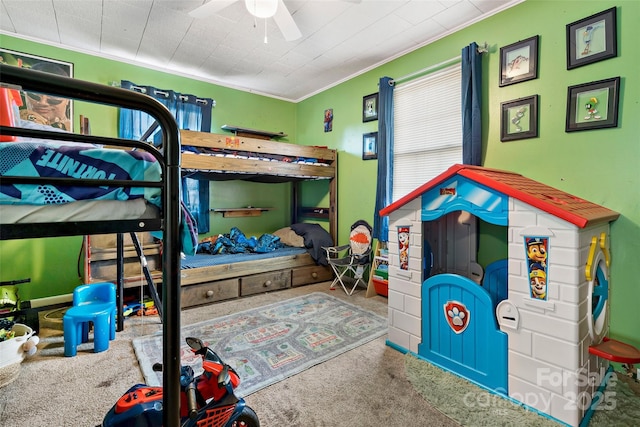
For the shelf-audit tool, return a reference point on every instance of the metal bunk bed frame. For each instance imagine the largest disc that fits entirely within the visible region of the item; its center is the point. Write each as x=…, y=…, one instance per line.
x=169, y=223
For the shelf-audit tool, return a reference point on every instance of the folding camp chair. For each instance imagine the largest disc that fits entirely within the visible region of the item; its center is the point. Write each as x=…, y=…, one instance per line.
x=352, y=261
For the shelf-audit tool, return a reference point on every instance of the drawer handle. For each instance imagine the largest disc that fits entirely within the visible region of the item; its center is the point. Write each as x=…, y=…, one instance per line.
x=267, y=283
x=314, y=275
x=209, y=294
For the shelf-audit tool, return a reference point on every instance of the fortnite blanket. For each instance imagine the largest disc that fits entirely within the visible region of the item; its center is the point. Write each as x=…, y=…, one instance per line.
x=72, y=160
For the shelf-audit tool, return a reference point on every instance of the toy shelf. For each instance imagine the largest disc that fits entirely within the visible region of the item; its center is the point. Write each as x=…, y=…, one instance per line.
x=379, y=274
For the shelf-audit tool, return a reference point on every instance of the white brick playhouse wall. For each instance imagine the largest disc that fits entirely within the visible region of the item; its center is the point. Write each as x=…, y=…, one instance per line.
x=549, y=360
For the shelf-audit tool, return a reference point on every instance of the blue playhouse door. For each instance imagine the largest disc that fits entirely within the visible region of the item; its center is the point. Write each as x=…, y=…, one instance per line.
x=460, y=332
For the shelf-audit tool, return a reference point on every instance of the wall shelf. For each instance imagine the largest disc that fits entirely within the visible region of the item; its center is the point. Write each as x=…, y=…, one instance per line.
x=240, y=212
x=255, y=133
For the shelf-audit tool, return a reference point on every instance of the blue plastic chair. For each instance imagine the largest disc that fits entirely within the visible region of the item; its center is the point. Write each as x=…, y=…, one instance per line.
x=92, y=304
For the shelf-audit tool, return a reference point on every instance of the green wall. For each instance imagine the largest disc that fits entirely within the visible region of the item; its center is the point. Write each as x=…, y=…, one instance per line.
x=598, y=165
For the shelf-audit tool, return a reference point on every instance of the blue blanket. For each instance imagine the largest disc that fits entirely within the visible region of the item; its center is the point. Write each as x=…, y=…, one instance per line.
x=237, y=243
x=83, y=161
x=70, y=160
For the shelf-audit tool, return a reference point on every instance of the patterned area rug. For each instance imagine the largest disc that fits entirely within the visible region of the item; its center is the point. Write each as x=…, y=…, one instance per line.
x=268, y=344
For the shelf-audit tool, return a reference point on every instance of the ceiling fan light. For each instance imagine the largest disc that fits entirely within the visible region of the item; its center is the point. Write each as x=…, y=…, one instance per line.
x=262, y=8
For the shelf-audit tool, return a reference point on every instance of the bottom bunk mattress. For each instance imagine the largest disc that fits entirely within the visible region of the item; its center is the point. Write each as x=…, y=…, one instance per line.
x=84, y=210
x=207, y=260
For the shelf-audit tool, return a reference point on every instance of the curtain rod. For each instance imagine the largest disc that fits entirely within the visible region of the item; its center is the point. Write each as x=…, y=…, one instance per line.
x=426, y=70
x=481, y=49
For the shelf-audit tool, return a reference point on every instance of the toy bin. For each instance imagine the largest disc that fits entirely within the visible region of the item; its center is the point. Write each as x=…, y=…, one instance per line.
x=381, y=286
x=12, y=353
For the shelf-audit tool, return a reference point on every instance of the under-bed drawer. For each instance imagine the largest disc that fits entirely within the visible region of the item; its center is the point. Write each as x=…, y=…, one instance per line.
x=311, y=274
x=207, y=293
x=265, y=282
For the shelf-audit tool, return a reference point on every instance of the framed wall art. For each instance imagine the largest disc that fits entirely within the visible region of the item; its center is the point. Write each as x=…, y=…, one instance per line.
x=593, y=105
x=328, y=120
x=519, y=119
x=519, y=61
x=41, y=108
x=592, y=39
x=370, y=146
x=370, y=107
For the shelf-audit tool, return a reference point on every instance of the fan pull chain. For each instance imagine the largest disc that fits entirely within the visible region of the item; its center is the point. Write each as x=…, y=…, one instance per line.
x=265, y=32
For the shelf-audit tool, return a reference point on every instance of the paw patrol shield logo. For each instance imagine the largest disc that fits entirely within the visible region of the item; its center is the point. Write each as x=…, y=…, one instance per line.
x=457, y=316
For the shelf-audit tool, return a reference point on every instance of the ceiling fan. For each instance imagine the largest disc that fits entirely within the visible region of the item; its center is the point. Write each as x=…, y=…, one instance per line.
x=258, y=8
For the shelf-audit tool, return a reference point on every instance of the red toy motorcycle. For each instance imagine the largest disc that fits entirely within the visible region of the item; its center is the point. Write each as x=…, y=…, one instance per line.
x=206, y=400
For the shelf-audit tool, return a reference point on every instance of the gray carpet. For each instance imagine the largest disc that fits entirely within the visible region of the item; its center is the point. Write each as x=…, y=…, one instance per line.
x=367, y=386
x=473, y=406
x=364, y=387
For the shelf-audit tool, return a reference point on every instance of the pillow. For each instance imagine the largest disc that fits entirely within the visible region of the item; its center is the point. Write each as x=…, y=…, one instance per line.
x=289, y=237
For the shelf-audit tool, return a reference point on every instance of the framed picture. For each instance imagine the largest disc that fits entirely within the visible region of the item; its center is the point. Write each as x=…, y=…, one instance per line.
x=41, y=108
x=592, y=39
x=370, y=107
x=519, y=119
x=593, y=105
x=328, y=120
x=370, y=146
x=519, y=61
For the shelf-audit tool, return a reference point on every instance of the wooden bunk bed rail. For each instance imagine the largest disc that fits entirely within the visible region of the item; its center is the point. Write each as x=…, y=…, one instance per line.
x=248, y=166
x=255, y=145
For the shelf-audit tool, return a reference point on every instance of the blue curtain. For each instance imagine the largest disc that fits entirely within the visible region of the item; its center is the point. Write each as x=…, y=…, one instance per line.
x=385, y=158
x=191, y=113
x=471, y=105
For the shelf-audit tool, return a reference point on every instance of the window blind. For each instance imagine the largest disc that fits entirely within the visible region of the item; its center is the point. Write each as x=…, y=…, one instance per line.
x=427, y=128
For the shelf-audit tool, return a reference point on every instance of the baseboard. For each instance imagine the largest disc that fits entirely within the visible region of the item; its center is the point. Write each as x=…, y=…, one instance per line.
x=51, y=301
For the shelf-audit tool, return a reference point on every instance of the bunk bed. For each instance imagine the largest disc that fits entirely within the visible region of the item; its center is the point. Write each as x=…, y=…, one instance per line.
x=207, y=278
x=219, y=157
x=166, y=218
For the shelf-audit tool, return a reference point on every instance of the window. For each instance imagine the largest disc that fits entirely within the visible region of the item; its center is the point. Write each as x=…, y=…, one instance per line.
x=427, y=128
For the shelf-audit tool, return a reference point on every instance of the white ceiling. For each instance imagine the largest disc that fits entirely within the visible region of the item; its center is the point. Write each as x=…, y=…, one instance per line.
x=340, y=38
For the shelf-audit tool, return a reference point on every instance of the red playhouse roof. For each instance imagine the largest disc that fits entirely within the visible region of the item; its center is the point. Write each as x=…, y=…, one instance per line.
x=551, y=200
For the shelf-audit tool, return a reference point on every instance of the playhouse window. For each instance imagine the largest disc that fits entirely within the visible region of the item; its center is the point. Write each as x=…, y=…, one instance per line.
x=598, y=295
x=600, y=292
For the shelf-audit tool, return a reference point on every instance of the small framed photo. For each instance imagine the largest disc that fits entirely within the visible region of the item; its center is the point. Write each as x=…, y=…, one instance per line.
x=519, y=119
x=519, y=61
x=370, y=107
x=592, y=39
x=593, y=105
x=328, y=120
x=370, y=146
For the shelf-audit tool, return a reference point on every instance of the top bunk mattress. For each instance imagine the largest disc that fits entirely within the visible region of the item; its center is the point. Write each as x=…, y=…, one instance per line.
x=62, y=160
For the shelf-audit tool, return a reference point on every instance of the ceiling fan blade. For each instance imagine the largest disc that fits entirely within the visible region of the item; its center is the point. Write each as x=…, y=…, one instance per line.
x=285, y=22
x=210, y=8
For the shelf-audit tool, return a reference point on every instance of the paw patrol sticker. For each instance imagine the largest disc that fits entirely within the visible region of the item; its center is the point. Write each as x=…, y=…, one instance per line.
x=403, y=246
x=457, y=315
x=537, y=254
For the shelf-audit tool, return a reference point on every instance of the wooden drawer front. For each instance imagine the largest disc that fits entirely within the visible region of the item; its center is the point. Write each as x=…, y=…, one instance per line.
x=271, y=281
x=207, y=293
x=107, y=269
x=312, y=274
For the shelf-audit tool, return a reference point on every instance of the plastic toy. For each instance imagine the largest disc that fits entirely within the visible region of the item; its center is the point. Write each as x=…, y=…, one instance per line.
x=532, y=326
x=208, y=399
